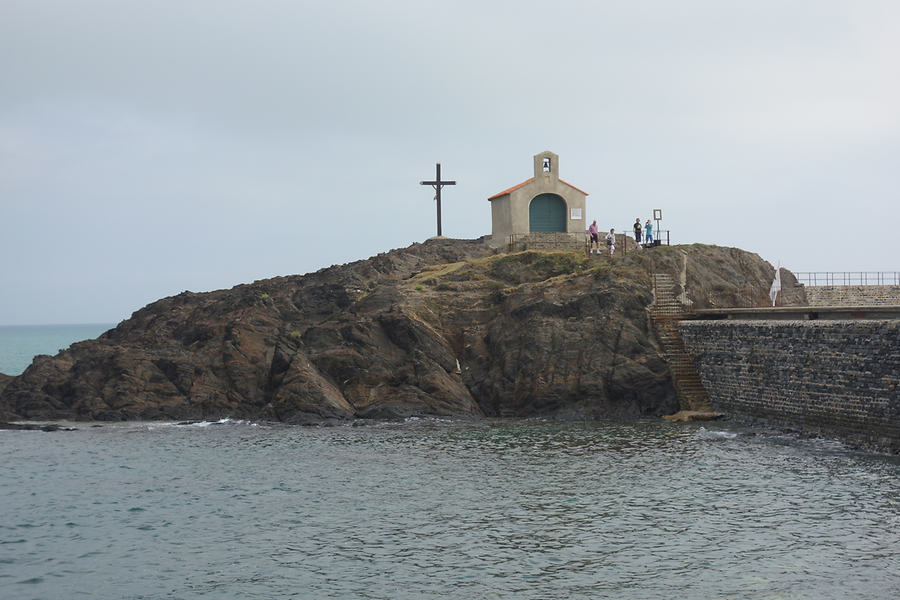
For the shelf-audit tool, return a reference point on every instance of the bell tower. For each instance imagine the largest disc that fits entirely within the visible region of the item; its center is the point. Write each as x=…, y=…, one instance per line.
x=546, y=167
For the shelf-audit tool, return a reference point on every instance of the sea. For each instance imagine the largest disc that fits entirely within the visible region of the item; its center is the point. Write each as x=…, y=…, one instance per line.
x=422, y=508
x=19, y=344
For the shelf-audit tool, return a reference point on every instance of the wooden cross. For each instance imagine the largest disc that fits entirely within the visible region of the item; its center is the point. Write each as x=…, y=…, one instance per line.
x=437, y=184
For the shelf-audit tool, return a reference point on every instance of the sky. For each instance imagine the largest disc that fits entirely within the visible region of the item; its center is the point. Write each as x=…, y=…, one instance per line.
x=148, y=148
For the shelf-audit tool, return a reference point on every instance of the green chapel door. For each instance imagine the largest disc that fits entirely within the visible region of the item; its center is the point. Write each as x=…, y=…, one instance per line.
x=547, y=212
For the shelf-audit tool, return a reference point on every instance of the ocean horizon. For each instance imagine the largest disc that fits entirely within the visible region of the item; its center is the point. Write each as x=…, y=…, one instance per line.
x=19, y=344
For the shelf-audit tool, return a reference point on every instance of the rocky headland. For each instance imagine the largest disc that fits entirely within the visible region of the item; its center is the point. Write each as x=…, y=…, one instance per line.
x=447, y=328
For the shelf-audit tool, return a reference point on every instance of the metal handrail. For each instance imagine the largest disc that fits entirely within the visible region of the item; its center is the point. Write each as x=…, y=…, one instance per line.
x=657, y=235
x=848, y=278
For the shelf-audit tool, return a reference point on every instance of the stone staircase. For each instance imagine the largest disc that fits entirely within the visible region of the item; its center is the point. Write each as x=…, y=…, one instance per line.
x=665, y=314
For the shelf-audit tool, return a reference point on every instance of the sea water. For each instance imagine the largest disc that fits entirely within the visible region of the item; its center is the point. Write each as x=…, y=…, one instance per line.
x=430, y=509
x=19, y=344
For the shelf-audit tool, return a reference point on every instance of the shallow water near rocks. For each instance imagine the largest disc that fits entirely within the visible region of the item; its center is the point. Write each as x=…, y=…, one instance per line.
x=431, y=509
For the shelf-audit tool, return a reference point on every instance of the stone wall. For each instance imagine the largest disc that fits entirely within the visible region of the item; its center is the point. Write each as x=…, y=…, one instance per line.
x=837, y=378
x=853, y=295
x=565, y=241
x=548, y=241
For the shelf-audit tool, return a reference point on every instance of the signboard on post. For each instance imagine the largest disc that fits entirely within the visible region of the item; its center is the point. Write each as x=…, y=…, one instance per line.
x=657, y=216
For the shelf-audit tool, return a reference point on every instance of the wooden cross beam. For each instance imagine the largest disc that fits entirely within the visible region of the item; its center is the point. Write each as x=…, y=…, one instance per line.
x=437, y=184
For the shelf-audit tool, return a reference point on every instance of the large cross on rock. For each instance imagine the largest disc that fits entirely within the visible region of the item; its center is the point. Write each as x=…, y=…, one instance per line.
x=437, y=184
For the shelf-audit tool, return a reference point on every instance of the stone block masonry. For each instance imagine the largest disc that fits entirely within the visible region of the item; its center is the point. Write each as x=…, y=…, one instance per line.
x=836, y=378
x=548, y=241
x=853, y=295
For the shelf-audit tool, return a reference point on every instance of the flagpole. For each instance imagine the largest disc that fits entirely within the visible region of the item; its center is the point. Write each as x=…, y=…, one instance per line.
x=775, y=290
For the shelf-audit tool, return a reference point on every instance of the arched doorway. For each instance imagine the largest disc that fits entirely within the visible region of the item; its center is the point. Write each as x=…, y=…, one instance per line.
x=547, y=212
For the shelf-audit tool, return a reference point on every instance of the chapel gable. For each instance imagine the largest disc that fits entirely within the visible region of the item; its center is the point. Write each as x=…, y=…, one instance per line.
x=540, y=212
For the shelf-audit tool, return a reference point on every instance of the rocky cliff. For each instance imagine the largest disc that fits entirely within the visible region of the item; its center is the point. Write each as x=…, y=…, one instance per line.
x=448, y=328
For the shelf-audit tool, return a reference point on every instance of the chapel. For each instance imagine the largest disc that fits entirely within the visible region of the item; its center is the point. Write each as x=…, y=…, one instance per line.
x=541, y=212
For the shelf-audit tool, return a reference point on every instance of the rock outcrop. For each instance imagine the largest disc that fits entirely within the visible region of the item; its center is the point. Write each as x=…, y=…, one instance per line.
x=448, y=328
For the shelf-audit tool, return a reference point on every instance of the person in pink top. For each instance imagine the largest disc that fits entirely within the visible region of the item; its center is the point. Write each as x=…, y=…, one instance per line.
x=595, y=236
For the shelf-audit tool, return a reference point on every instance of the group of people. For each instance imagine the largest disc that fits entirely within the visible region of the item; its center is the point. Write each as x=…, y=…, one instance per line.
x=645, y=232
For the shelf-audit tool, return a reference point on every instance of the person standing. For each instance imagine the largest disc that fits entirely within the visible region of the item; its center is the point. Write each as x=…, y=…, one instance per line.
x=637, y=233
x=648, y=231
x=611, y=241
x=595, y=236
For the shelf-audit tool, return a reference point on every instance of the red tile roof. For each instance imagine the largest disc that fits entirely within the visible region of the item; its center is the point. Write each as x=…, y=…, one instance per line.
x=515, y=187
x=510, y=190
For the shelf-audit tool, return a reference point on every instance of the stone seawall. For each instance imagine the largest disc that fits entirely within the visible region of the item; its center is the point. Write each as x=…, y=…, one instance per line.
x=837, y=378
x=853, y=295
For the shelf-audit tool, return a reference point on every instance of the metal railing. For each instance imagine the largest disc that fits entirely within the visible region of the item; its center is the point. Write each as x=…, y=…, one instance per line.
x=623, y=240
x=849, y=278
x=749, y=297
x=571, y=241
x=657, y=240
x=658, y=237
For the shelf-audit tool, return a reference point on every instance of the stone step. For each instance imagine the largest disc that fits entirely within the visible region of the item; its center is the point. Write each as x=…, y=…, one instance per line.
x=694, y=392
x=666, y=312
x=692, y=386
x=665, y=303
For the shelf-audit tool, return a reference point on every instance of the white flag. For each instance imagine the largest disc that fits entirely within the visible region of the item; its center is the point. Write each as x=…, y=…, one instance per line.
x=776, y=285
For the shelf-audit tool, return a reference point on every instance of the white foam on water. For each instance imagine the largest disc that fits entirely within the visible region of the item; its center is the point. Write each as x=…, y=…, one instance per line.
x=715, y=434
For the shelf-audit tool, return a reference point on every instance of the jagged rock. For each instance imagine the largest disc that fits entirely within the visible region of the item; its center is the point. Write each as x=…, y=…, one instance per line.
x=693, y=415
x=447, y=328
x=35, y=427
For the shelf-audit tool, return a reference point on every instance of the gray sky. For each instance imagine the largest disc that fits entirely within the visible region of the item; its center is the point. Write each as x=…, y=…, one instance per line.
x=147, y=148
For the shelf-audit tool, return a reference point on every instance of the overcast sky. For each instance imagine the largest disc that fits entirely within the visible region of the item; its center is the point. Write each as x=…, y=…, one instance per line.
x=147, y=148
